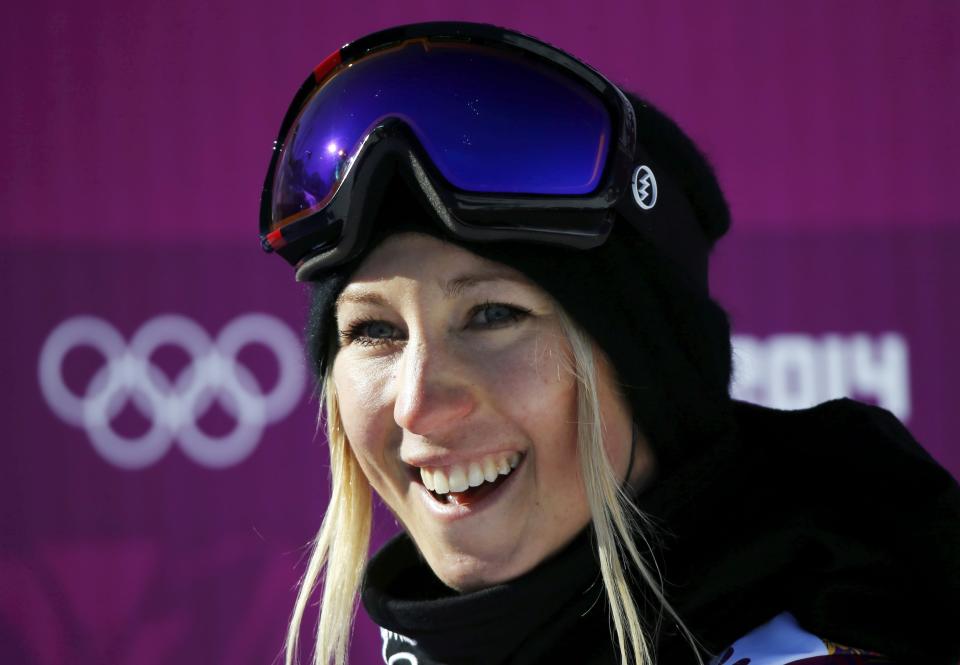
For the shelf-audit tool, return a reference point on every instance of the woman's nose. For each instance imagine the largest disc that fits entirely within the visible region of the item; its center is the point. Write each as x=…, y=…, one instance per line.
x=433, y=391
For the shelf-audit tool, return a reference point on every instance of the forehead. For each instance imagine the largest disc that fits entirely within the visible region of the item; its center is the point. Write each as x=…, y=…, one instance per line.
x=425, y=258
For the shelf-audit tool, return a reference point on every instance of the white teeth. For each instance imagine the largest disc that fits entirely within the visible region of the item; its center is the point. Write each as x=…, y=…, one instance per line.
x=440, y=484
x=427, y=476
x=489, y=470
x=456, y=478
x=474, y=475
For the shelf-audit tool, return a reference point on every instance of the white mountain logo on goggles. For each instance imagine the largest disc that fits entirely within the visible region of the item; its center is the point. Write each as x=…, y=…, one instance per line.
x=644, y=187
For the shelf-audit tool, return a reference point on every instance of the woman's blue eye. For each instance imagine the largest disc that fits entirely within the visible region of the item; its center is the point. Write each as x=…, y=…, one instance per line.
x=367, y=332
x=497, y=313
x=374, y=332
x=378, y=329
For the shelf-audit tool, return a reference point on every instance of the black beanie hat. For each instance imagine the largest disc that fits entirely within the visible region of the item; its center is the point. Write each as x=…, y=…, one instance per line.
x=668, y=341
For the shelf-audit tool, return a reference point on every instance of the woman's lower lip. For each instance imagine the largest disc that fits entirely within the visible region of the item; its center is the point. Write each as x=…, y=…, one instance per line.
x=450, y=511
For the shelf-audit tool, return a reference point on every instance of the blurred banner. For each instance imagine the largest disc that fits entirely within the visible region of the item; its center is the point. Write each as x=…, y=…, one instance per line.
x=162, y=468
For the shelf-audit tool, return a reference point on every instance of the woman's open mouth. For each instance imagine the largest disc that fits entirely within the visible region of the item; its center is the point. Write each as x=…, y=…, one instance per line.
x=467, y=485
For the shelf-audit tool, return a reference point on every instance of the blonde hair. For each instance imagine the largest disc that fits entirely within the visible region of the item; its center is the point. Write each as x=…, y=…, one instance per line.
x=340, y=548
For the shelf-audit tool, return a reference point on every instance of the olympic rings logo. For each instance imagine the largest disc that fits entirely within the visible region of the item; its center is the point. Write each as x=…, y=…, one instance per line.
x=173, y=407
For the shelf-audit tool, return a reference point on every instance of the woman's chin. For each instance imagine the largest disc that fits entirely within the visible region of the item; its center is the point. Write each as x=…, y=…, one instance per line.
x=466, y=571
x=471, y=578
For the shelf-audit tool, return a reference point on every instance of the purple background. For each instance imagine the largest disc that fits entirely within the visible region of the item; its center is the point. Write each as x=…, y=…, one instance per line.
x=134, y=140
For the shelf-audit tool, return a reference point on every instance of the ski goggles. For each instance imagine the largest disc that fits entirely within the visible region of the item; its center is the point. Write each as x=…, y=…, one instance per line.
x=507, y=137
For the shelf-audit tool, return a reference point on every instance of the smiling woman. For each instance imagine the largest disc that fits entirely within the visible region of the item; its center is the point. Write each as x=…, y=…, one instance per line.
x=444, y=391
x=518, y=352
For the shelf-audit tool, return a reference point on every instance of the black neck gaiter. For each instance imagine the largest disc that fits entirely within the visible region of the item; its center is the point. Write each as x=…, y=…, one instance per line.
x=402, y=594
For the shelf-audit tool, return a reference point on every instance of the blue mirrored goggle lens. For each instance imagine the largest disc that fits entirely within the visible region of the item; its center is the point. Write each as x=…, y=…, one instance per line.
x=492, y=121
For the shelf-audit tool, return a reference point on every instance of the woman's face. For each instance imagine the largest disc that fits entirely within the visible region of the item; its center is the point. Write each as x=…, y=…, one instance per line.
x=451, y=373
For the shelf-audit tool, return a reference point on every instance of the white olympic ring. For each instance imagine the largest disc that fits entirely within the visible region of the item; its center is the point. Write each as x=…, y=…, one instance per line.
x=173, y=407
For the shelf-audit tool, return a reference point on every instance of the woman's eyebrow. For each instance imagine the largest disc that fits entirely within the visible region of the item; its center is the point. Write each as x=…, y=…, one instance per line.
x=458, y=285
x=450, y=288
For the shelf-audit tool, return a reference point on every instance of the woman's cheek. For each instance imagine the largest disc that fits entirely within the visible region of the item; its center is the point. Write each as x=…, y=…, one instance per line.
x=363, y=378
x=365, y=410
x=530, y=382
